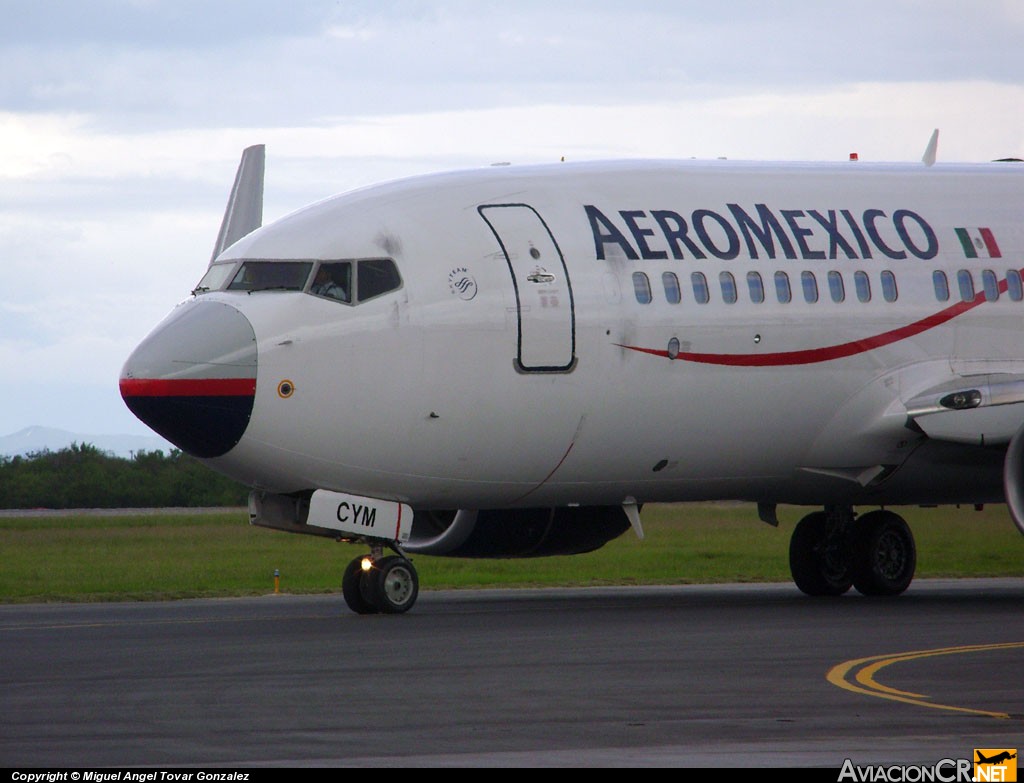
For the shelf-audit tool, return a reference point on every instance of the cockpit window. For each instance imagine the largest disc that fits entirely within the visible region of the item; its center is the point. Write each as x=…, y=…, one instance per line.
x=333, y=280
x=214, y=278
x=377, y=276
x=271, y=276
x=343, y=281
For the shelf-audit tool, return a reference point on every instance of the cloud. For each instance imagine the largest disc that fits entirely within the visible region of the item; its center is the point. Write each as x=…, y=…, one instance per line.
x=160, y=65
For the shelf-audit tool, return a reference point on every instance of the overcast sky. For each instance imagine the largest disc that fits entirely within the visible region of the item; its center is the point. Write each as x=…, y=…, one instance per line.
x=121, y=124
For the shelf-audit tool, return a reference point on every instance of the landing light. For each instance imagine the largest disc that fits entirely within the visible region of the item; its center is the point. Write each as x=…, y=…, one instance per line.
x=366, y=564
x=963, y=400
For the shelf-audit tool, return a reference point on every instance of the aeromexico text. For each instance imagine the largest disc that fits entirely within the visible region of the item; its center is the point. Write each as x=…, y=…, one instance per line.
x=761, y=231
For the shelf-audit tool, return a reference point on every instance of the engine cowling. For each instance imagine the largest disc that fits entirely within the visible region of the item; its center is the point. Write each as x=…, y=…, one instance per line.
x=487, y=533
x=1013, y=479
x=516, y=533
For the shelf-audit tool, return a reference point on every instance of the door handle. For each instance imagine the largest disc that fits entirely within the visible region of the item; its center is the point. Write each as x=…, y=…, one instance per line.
x=540, y=277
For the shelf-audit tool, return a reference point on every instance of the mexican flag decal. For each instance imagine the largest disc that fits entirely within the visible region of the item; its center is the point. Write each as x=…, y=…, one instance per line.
x=978, y=243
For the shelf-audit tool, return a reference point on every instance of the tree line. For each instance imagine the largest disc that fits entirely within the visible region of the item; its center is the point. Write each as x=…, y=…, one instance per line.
x=83, y=476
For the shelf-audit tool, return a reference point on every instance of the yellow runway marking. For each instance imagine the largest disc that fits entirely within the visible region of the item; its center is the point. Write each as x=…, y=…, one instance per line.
x=863, y=671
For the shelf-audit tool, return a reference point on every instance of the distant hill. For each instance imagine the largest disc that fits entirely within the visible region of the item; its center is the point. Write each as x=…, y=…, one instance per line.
x=34, y=439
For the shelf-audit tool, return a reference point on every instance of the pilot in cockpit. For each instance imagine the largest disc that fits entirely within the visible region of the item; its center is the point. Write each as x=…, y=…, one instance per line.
x=326, y=285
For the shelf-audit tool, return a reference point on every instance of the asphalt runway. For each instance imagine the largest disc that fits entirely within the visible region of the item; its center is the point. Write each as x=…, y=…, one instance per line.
x=735, y=676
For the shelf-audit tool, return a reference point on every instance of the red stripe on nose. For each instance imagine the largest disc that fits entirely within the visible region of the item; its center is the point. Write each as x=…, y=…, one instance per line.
x=188, y=387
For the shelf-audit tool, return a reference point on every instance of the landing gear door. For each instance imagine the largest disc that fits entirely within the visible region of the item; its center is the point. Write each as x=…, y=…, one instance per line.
x=546, y=332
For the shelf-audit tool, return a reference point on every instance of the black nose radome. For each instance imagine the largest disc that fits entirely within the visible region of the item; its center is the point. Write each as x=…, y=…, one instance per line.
x=193, y=379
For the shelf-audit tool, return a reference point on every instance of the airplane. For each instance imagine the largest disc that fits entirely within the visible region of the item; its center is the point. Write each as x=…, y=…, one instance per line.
x=513, y=360
x=996, y=759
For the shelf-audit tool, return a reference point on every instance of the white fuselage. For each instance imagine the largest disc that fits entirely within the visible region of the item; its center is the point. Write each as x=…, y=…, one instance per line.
x=519, y=363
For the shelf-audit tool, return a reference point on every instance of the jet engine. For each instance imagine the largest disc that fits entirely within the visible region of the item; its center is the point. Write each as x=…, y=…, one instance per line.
x=515, y=533
x=1013, y=479
x=486, y=533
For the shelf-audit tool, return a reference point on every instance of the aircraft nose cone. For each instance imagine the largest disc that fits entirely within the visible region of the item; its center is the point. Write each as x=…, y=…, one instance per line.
x=193, y=379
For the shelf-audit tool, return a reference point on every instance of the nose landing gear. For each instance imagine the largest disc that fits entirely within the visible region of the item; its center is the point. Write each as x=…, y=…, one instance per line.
x=375, y=584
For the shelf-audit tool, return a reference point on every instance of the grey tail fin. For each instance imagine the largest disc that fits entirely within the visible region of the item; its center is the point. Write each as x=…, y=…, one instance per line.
x=244, y=212
x=933, y=147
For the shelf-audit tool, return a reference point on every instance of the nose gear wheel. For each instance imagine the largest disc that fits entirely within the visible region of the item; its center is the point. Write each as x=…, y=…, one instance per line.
x=390, y=585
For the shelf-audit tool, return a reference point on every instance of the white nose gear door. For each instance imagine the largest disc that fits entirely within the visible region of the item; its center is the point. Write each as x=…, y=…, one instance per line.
x=544, y=301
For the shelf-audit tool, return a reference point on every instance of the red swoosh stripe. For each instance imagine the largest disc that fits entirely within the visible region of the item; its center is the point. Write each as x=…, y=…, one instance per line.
x=188, y=387
x=830, y=352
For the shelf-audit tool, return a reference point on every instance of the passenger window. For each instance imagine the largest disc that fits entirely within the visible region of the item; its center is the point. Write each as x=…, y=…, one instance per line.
x=700, y=288
x=990, y=284
x=333, y=281
x=941, y=284
x=670, y=283
x=966, y=284
x=642, y=288
x=836, y=287
x=889, y=292
x=756, y=287
x=1014, y=286
x=375, y=277
x=728, y=285
x=863, y=285
x=809, y=283
x=782, y=289
x=271, y=276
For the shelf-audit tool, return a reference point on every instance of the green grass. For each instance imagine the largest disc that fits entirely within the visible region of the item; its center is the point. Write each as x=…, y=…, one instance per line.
x=191, y=555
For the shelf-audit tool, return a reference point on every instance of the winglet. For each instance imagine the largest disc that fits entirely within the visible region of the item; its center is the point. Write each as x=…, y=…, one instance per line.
x=929, y=152
x=244, y=212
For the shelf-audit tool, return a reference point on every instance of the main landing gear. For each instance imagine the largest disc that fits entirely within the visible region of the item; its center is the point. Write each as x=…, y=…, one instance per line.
x=830, y=552
x=376, y=584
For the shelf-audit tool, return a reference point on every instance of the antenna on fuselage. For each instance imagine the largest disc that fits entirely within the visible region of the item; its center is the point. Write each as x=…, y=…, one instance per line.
x=933, y=146
x=244, y=211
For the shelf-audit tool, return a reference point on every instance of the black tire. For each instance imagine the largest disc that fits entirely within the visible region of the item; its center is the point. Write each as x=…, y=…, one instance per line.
x=393, y=585
x=819, y=566
x=884, y=554
x=355, y=588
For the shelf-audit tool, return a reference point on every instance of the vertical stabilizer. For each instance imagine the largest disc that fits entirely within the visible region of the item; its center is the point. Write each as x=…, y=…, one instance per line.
x=933, y=146
x=244, y=212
